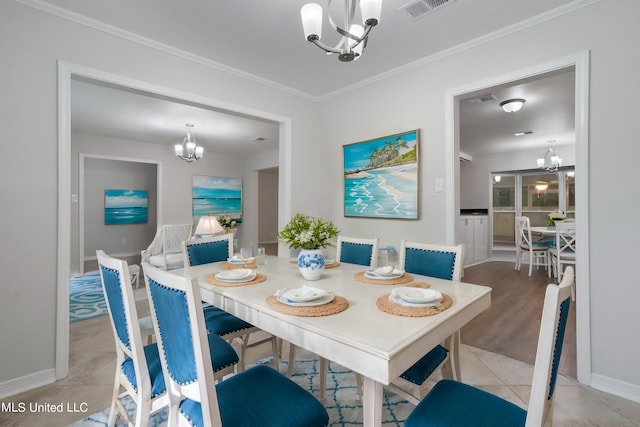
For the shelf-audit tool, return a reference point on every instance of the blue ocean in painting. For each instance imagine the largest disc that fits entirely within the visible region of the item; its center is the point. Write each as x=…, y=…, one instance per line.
x=125, y=207
x=203, y=207
x=385, y=192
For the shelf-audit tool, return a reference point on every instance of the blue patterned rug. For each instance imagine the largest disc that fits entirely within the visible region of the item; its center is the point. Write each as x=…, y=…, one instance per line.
x=86, y=299
x=342, y=402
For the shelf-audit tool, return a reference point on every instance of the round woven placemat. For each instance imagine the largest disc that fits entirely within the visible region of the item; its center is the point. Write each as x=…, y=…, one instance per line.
x=406, y=278
x=387, y=306
x=228, y=266
x=211, y=278
x=336, y=306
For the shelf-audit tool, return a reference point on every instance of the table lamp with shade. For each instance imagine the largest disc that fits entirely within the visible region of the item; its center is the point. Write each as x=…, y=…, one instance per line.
x=208, y=226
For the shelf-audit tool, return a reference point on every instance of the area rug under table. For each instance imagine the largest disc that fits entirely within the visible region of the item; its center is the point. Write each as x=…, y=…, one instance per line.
x=86, y=299
x=342, y=402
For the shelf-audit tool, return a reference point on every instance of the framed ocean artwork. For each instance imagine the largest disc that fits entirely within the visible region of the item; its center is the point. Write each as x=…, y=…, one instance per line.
x=214, y=195
x=381, y=177
x=126, y=206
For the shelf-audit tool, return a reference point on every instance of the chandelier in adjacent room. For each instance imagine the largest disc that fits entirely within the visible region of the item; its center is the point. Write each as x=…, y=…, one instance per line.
x=551, y=161
x=353, y=35
x=189, y=150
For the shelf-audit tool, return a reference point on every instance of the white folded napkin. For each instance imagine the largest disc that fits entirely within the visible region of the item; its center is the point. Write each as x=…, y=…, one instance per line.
x=388, y=270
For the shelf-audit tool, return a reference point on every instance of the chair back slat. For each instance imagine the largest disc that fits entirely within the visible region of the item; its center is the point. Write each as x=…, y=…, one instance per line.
x=174, y=235
x=112, y=288
x=555, y=313
x=359, y=251
x=443, y=262
x=207, y=250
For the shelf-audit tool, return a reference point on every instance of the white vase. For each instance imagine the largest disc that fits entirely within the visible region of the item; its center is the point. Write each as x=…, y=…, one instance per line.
x=311, y=263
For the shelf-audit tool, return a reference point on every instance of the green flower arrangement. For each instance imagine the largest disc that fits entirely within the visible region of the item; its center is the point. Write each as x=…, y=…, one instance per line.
x=308, y=233
x=227, y=223
x=555, y=216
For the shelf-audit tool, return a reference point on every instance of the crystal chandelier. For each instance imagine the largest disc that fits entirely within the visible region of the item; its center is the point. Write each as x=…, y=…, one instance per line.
x=353, y=36
x=551, y=161
x=188, y=150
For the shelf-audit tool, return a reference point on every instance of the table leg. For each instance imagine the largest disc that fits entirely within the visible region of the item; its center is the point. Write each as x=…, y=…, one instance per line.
x=372, y=403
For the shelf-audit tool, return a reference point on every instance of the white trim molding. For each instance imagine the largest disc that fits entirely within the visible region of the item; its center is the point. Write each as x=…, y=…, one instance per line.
x=27, y=382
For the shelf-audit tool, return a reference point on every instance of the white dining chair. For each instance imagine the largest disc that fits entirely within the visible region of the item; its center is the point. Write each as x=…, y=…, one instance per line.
x=138, y=370
x=165, y=251
x=444, y=262
x=208, y=250
x=455, y=404
x=352, y=250
x=259, y=396
x=538, y=252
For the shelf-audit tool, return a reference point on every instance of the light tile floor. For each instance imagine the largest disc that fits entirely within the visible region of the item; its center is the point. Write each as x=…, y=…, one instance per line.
x=92, y=367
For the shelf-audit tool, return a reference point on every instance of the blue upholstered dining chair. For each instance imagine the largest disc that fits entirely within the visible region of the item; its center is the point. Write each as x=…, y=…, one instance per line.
x=213, y=249
x=355, y=250
x=443, y=262
x=259, y=396
x=139, y=374
x=351, y=250
x=452, y=403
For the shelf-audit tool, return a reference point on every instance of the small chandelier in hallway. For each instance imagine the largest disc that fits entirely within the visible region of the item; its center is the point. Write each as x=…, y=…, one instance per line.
x=188, y=150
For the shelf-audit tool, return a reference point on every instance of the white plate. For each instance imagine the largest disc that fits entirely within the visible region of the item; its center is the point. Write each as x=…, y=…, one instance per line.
x=386, y=271
x=235, y=275
x=327, y=298
x=395, y=298
x=371, y=274
x=236, y=261
x=418, y=295
x=303, y=294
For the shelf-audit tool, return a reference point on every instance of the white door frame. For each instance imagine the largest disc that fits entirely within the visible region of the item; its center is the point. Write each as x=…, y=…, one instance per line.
x=581, y=63
x=66, y=70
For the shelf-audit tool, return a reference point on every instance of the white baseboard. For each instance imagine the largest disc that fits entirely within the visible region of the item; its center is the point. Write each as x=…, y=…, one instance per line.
x=616, y=387
x=26, y=383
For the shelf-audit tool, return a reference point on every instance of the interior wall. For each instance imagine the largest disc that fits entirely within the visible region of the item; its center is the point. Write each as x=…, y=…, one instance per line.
x=120, y=240
x=31, y=85
x=416, y=98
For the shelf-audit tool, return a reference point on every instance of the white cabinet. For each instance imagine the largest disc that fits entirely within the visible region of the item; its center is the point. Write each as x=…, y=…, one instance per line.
x=473, y=232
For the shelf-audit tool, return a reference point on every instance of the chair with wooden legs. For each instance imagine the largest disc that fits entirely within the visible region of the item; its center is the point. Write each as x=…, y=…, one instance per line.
x=259, y=396
x=207, y=250
x=444, y=262
x=538, y=252
x=455, y=404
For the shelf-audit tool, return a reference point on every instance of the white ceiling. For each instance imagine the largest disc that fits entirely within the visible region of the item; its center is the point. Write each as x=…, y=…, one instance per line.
x=264, y=40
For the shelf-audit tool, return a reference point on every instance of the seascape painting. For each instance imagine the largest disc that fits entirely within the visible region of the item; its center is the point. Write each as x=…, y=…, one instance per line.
x=217, y=196
x=381, y=177
x=125, y=206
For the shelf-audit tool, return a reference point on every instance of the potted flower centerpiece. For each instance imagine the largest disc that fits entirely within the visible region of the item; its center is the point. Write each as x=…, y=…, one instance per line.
x=310, y=235
x=555, y=216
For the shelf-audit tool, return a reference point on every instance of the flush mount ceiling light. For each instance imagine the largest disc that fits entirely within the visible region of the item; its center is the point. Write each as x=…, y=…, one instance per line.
x=353, y=36
x=551, y=161
x=541, y=185
x=512, y=105
x=188, y=150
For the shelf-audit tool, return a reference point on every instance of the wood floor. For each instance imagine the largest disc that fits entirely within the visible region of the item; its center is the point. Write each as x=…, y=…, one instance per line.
x=511, y=325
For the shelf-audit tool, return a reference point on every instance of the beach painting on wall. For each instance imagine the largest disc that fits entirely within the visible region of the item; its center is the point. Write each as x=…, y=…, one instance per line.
x=214, y=195
x=381, y=177
x=125, y=206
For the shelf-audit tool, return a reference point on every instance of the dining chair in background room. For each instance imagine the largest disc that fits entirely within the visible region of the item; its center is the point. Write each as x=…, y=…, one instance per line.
x=207, y=250
x=564, y=252
x=165, y=251
x=538, y=252
x=259, y=396
x=352, y=250
x=138, y=369
x=454, y=403
x=443, y=262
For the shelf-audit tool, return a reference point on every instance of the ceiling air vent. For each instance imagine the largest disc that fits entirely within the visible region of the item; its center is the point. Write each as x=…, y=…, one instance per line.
x=419, y=8
x=482, y=98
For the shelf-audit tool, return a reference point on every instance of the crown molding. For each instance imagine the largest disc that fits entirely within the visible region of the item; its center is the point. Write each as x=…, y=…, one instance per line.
x=136, y=38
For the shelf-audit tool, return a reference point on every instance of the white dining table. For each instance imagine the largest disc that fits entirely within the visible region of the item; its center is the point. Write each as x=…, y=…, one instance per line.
x=378, y=345
x=545, y=231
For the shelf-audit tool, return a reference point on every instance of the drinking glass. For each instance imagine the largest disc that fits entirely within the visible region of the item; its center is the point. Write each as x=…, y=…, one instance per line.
x=260, y=256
